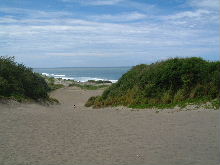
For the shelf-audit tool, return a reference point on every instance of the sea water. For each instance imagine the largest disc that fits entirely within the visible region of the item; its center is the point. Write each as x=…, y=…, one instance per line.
x=84, y=74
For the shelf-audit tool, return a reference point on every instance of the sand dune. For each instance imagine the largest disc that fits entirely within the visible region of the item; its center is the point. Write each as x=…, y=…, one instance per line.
x=64, y=134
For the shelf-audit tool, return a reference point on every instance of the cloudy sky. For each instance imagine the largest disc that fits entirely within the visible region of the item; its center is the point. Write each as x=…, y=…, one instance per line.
x=56, y=33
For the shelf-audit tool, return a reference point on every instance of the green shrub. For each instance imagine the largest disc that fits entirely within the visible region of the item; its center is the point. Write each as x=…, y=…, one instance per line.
x=91, y=101
x=18, y=81
x=180, y=96
x=167, y=97
x=166, y=82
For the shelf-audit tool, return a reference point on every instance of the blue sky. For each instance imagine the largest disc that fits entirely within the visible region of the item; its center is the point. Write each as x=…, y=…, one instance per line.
x=57, y=33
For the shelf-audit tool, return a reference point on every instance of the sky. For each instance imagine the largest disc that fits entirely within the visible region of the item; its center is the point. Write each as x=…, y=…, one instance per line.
x=105, y=33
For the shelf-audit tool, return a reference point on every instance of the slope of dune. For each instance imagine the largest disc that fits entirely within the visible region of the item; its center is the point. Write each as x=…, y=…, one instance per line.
x=67, y=134
x=168, y=83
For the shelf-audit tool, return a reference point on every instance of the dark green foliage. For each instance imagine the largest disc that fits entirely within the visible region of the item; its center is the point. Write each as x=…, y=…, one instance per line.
x=18, y=81
x=164, y=83
x=88, y=87
x=91, y=101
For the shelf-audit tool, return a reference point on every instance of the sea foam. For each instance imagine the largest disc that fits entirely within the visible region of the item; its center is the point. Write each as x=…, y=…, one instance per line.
x=79, y=79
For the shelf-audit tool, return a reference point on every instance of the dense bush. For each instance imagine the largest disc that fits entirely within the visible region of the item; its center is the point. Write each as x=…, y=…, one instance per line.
x=165, y=82
x=18, y=81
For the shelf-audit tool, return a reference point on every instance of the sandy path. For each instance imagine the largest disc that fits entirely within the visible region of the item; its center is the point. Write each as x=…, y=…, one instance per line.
x=34, y=134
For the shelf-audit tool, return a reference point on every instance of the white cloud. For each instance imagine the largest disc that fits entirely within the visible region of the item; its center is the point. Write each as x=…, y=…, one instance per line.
x=63, y=34
x=129, y=4
x=95, y=2
x=96, y=36
x=35, y=13
x=211, y=4
x=189, y=14
x=120, y=17
x=197, y=18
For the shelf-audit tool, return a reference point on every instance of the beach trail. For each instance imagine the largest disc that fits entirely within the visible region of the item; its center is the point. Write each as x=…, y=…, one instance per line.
x=70, y=133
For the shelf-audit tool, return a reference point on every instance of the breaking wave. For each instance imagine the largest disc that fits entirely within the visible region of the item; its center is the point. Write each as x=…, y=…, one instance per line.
x=79, y=79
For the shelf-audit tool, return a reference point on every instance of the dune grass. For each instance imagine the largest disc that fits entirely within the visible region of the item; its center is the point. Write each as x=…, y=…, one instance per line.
x=177, y=81
x=89, y=87
x=51, y=83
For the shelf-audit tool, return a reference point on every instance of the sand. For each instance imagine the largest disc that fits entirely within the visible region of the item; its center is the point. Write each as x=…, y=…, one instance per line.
x=61, y=134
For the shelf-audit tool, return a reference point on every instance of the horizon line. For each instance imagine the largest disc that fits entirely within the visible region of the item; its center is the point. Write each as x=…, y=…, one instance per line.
x=82, y=67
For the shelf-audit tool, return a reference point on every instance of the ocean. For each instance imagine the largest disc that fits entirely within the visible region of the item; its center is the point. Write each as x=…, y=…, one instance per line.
x=84, y=74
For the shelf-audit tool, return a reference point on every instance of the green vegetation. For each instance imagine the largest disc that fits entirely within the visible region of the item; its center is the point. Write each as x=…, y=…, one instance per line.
x=21, y=83
x=51, y=83
x=164, y=84
x=89, y=87
x=99, y=81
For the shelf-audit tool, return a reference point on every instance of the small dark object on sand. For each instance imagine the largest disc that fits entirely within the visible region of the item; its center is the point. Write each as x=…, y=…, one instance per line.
x=74, y=106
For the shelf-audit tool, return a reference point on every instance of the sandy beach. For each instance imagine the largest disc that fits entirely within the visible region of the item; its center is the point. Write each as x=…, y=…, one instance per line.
x=64, y=134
